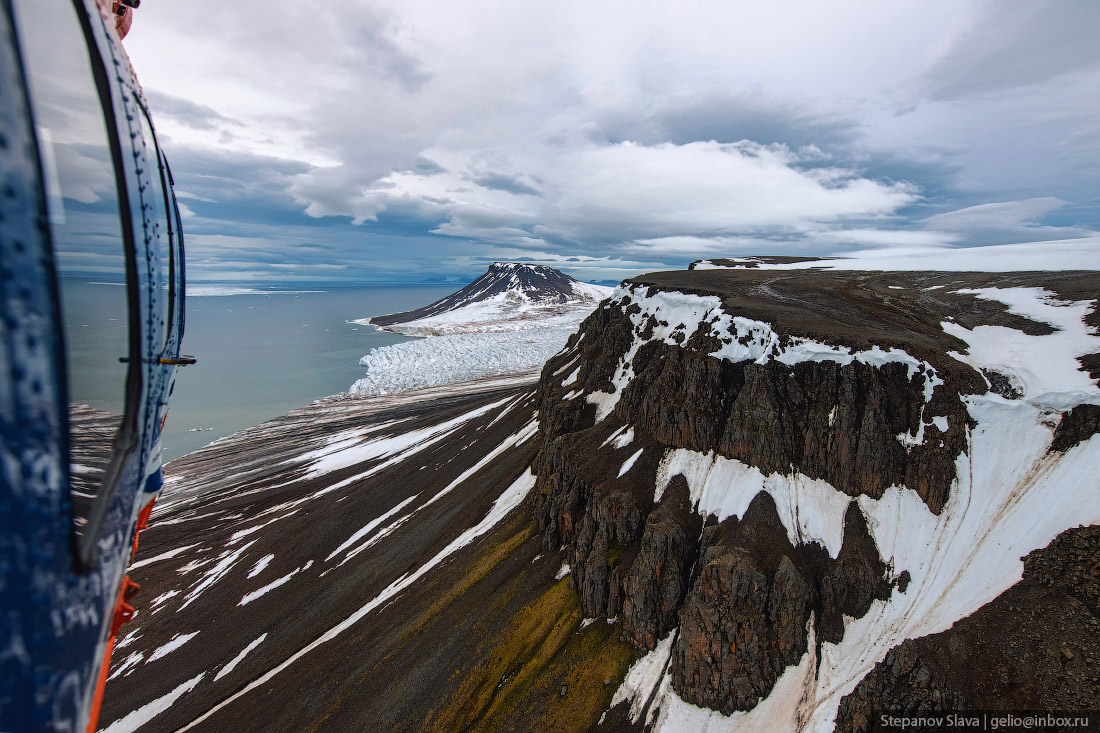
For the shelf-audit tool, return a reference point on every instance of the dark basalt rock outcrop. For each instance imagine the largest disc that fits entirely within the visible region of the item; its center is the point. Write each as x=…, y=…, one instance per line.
x=1002, y=384
x=654, y=587
x=1077, y=426
x=739, y=591
x=1035, y=647
x=745, y=619
x=849, y=584
x=830, y=421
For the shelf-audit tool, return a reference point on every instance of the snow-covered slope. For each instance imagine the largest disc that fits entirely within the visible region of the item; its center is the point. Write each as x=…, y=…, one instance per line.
x=508, y=321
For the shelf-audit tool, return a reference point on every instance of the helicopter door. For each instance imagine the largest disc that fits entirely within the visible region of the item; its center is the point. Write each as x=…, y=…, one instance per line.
x=94, y=256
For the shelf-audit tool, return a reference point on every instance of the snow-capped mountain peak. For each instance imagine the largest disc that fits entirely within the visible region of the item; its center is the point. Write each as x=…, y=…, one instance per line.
x=509, y=296
x=538, y=283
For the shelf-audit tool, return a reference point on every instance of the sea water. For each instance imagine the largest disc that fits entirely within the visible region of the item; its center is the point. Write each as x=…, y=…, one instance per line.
x=263, y=354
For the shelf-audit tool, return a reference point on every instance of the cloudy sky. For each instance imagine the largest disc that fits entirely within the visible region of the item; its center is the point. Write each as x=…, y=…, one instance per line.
x=415, y=140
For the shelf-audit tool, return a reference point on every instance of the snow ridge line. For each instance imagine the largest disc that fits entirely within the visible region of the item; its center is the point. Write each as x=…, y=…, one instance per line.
x=678, y=315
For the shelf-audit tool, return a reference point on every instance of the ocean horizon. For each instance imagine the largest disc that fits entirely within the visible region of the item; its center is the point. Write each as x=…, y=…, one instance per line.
x=262, y=350
x=265, y=352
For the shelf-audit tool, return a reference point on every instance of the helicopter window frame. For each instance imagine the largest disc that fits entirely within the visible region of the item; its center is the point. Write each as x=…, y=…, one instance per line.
x=179, y=265
x=170, y=213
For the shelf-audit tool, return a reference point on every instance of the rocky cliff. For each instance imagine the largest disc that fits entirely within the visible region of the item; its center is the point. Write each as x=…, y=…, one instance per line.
x=702, y=429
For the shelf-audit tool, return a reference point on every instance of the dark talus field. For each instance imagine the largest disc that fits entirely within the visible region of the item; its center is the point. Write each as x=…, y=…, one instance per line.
x=365, y=584
x=739, y=499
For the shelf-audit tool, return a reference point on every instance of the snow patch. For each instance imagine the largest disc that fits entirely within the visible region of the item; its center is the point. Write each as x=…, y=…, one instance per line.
x=155, y=603
x=520, y=437
x=629, y=464
x=216, y=573
x=644, y=676
x=369, y=527
x=237, y=659
x=132, y=636
x=1046, y=367
x=241, y=534
x=163, y=556
x=618, y=431
x=147, y=712
x=625, y=439
x=1062, y=254
x=259, y=566
x=810, y=509
x=129, y=663
x=249, y=597
x=176, y=642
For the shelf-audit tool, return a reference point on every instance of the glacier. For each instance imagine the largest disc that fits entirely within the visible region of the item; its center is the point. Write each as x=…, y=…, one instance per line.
x=508, y=321
x=454, y=358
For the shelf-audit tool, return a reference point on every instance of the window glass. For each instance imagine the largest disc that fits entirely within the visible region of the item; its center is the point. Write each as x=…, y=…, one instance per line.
x=89, y=251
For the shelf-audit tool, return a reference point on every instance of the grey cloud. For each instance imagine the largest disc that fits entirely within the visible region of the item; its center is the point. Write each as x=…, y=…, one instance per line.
x=1015, y=43
x=729, y=118
x=388, y=60
x=397, y=104
x=229, y=187
x=502, y=182
x=369, y=35
x=191, y=114
x=427, y=167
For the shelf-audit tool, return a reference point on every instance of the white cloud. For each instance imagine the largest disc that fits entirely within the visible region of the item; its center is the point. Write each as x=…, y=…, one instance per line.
x=621, y=192
x=1006, y=221
x=887, y=237
x=629, y=127
x=998, y=214
x=630, y=191
x=807, y=241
